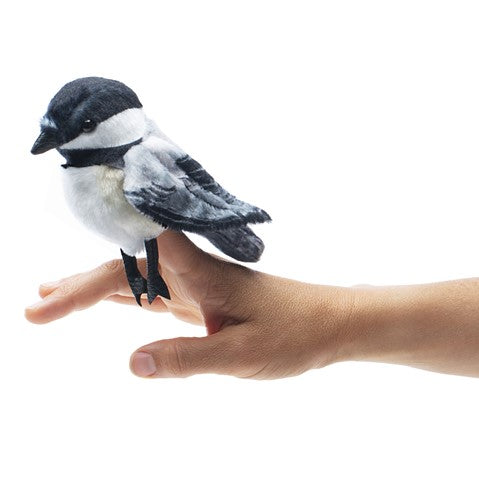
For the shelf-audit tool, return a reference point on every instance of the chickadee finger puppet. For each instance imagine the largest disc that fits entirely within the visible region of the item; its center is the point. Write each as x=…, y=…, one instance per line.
x=128, y=182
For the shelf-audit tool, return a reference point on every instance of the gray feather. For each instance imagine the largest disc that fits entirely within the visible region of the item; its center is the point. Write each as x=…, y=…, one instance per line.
x=239, y=243
x=157, y=185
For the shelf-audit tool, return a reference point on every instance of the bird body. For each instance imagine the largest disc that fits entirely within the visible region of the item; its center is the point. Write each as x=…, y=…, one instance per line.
x=129, y=182
x=95, y=196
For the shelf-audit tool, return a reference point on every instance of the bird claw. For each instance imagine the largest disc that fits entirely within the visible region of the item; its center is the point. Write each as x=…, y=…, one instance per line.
x=153, y=286
x=156, y=286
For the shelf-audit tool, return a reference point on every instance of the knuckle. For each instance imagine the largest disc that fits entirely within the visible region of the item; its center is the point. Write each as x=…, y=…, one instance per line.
x=113, y=266
x=173, y=360
x=66, y=289
x=67, y=293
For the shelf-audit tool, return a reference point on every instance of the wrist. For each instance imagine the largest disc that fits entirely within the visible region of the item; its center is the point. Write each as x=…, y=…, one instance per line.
x=365, y=328
x=394, y=324
x=351, y=324
x=334, y=311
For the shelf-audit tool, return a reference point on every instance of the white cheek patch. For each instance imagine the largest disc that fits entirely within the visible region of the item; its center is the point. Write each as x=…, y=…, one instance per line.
x=120, y=129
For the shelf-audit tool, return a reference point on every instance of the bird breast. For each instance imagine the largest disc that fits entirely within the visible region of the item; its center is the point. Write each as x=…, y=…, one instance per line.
x=95, y=196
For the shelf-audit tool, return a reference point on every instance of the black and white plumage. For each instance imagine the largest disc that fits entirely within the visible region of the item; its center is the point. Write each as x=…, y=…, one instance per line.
x=128, y=182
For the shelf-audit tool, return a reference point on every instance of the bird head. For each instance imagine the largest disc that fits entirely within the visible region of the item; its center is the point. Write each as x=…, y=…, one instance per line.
x=91, y=113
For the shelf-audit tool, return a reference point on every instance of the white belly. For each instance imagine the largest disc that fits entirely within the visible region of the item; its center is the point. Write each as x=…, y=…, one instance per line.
x=95, y=195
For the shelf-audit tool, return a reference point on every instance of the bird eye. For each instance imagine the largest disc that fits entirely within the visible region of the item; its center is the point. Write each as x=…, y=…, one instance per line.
x=88, y=125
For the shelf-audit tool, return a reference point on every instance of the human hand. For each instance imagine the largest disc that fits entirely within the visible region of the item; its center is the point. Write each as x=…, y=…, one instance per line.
x=259, y=326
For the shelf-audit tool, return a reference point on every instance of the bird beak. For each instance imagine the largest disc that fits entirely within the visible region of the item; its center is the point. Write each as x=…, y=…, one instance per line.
x=45, y=141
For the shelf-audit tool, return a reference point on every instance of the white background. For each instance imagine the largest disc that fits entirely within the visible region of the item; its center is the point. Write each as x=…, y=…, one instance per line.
x=354, y=124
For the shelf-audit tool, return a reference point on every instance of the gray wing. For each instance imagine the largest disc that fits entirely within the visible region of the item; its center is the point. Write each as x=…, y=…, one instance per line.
x=172, y=189
x=200, y=176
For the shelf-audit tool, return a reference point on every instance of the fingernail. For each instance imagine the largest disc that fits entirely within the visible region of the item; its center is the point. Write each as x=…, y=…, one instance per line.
x=142, y=364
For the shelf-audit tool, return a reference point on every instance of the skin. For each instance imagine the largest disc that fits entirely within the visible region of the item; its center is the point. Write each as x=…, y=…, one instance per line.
x=265, y=327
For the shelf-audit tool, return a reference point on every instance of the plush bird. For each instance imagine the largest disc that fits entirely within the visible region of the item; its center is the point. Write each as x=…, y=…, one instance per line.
x=127, y=181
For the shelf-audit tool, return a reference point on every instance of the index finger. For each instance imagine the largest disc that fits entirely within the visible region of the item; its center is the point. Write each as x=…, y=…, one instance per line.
x=77, y=292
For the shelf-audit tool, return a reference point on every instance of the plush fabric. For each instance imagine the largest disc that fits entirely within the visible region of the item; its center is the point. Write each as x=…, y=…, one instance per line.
x=240, y=243
x=95, y=196
x=98, y=156
x=180, y=202
x=124, y=127
x=128, y=182
x=92, y=98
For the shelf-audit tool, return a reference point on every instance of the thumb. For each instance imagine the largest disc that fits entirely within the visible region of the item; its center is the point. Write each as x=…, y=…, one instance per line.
x=218, y=353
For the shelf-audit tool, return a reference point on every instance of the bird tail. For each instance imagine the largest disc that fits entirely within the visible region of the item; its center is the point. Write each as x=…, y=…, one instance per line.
x=240, y=243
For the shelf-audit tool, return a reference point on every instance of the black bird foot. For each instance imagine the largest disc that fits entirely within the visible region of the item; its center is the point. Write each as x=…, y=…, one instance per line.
x=136, y=281
x=138, y=287
x=156, y=286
